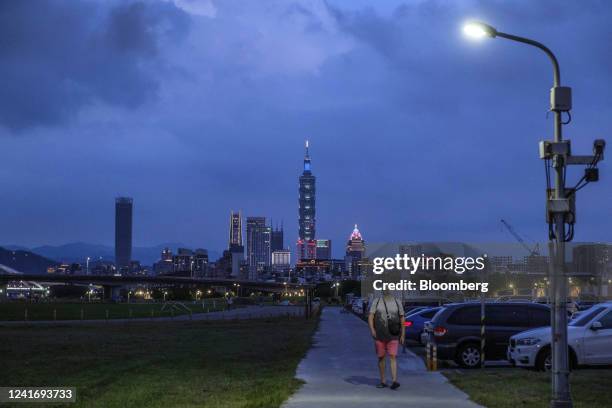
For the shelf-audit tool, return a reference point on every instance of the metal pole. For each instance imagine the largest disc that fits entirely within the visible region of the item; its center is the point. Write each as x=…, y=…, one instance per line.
x=561, y=397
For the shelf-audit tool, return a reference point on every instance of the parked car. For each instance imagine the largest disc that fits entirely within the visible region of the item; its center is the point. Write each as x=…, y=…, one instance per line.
x=357, y=305
x=456, y=329
x=582, y=305
x=589, y=337
x=415, y=322
x=414, y=309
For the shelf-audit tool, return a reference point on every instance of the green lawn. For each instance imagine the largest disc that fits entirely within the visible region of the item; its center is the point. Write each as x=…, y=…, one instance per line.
x=72, y=311
x=518, y=388
x=205, y=364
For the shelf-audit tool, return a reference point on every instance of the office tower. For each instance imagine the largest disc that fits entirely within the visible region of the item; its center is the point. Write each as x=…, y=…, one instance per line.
x=281, y=258
x=355, y=246
x=166, y=254
x=200, y=262
x=281, y=262
x=123, y=232
x=235, y=254
x=324, y=249
x=183, y=262
x=355, y=250
x=258, y=243
x=165, y=265
x=278, y=241
x=235, y=231
x=306, y=245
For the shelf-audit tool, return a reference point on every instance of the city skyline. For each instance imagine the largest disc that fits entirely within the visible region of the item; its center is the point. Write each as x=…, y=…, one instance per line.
x=403, y=163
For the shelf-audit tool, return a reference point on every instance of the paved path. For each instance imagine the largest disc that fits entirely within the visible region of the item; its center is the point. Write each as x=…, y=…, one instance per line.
x=249, y=312
x=340, y=371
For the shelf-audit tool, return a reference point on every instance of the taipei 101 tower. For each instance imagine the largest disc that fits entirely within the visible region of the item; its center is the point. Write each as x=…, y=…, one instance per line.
x=306, y=245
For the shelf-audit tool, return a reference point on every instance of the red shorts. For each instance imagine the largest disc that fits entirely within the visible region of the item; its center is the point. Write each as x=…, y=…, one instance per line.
x=389, y=347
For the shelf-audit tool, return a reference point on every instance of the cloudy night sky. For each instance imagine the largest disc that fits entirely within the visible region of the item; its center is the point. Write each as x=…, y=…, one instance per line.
x=195, y=108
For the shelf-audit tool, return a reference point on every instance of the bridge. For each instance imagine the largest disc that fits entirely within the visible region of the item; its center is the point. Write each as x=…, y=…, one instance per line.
x=112, y=283
x=113, y=280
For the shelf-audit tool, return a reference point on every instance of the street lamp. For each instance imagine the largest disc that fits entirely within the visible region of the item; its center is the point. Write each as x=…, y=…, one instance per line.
x=560, y=206
x=476, y=29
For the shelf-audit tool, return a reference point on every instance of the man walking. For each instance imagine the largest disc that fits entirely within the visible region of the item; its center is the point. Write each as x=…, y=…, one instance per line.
x=386, y=321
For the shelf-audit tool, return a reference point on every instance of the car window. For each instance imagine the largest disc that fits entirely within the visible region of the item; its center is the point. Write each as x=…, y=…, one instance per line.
x=588, y=315
x=466, y=316
x=508, y=316
x=606, y=320
x=428, y=314
x=539, y=317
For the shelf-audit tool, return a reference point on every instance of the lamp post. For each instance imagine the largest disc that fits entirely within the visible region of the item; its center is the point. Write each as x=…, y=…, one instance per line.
x=560, y=99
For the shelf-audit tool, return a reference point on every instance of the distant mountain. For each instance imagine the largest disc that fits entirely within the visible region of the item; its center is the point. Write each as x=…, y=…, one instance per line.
x=76, y=252
x=25, y=261
x=79, y=251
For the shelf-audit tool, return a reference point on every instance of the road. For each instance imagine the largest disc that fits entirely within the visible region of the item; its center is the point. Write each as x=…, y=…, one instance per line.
x=248, y=312
x=340, y=371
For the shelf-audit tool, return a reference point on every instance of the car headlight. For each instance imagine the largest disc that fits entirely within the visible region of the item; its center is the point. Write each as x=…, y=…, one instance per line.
x=527, y=341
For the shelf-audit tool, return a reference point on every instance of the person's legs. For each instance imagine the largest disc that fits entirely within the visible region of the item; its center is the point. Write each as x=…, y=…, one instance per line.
x=380, y=353
x=392, y=347
x=381, y=368
x=393, y=362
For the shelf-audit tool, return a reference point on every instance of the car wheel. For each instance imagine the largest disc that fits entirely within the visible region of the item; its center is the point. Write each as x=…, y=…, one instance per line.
x=468, y=355
x=544, y=360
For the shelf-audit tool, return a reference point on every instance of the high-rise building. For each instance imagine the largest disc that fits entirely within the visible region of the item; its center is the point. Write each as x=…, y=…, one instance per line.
x=281, y=261
x=355, y=250
x=200, y=262
x=324, y=249
x=258, y=243
x=278, y=241
x=123, y=231
x=235, y=231
x=233, y=259
x=165, y=265
x=306, y=246
x=355, y=246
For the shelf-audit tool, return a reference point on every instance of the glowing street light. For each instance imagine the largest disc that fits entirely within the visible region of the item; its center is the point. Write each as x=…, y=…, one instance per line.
x=477, y=30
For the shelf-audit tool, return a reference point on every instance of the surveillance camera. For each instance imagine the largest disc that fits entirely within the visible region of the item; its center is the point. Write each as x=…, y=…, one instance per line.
x=598, y=146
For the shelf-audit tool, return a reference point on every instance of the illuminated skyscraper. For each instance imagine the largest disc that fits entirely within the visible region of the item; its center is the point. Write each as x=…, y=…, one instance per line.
x=258, y=243
x=123, y=231
x=355, y=246
x=306, y=245
x=324, y=249
x=355, y=250
x=235, y=231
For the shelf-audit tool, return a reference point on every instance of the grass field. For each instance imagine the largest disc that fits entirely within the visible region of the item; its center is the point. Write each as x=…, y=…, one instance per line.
x=205, y=364
x=72, y=311
x=518, y=388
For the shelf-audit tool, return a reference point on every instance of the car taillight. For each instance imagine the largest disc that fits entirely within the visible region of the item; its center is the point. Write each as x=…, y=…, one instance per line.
x=439, y=331
x=408, y=323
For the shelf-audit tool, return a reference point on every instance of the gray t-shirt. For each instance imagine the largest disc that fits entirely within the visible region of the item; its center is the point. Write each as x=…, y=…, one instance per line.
x=395, y=310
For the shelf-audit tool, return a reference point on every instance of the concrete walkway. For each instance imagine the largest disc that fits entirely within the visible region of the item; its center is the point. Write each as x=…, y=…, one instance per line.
x=340, y=371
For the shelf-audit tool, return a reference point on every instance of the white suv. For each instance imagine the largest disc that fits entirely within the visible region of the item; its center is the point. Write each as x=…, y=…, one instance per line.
x=589, y=337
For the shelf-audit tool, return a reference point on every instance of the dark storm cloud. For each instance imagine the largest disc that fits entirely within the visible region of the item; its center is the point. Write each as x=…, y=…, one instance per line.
x=58, y=56
x=416, y=132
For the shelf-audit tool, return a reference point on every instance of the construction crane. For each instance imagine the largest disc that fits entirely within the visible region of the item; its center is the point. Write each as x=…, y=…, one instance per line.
x=532, y=251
